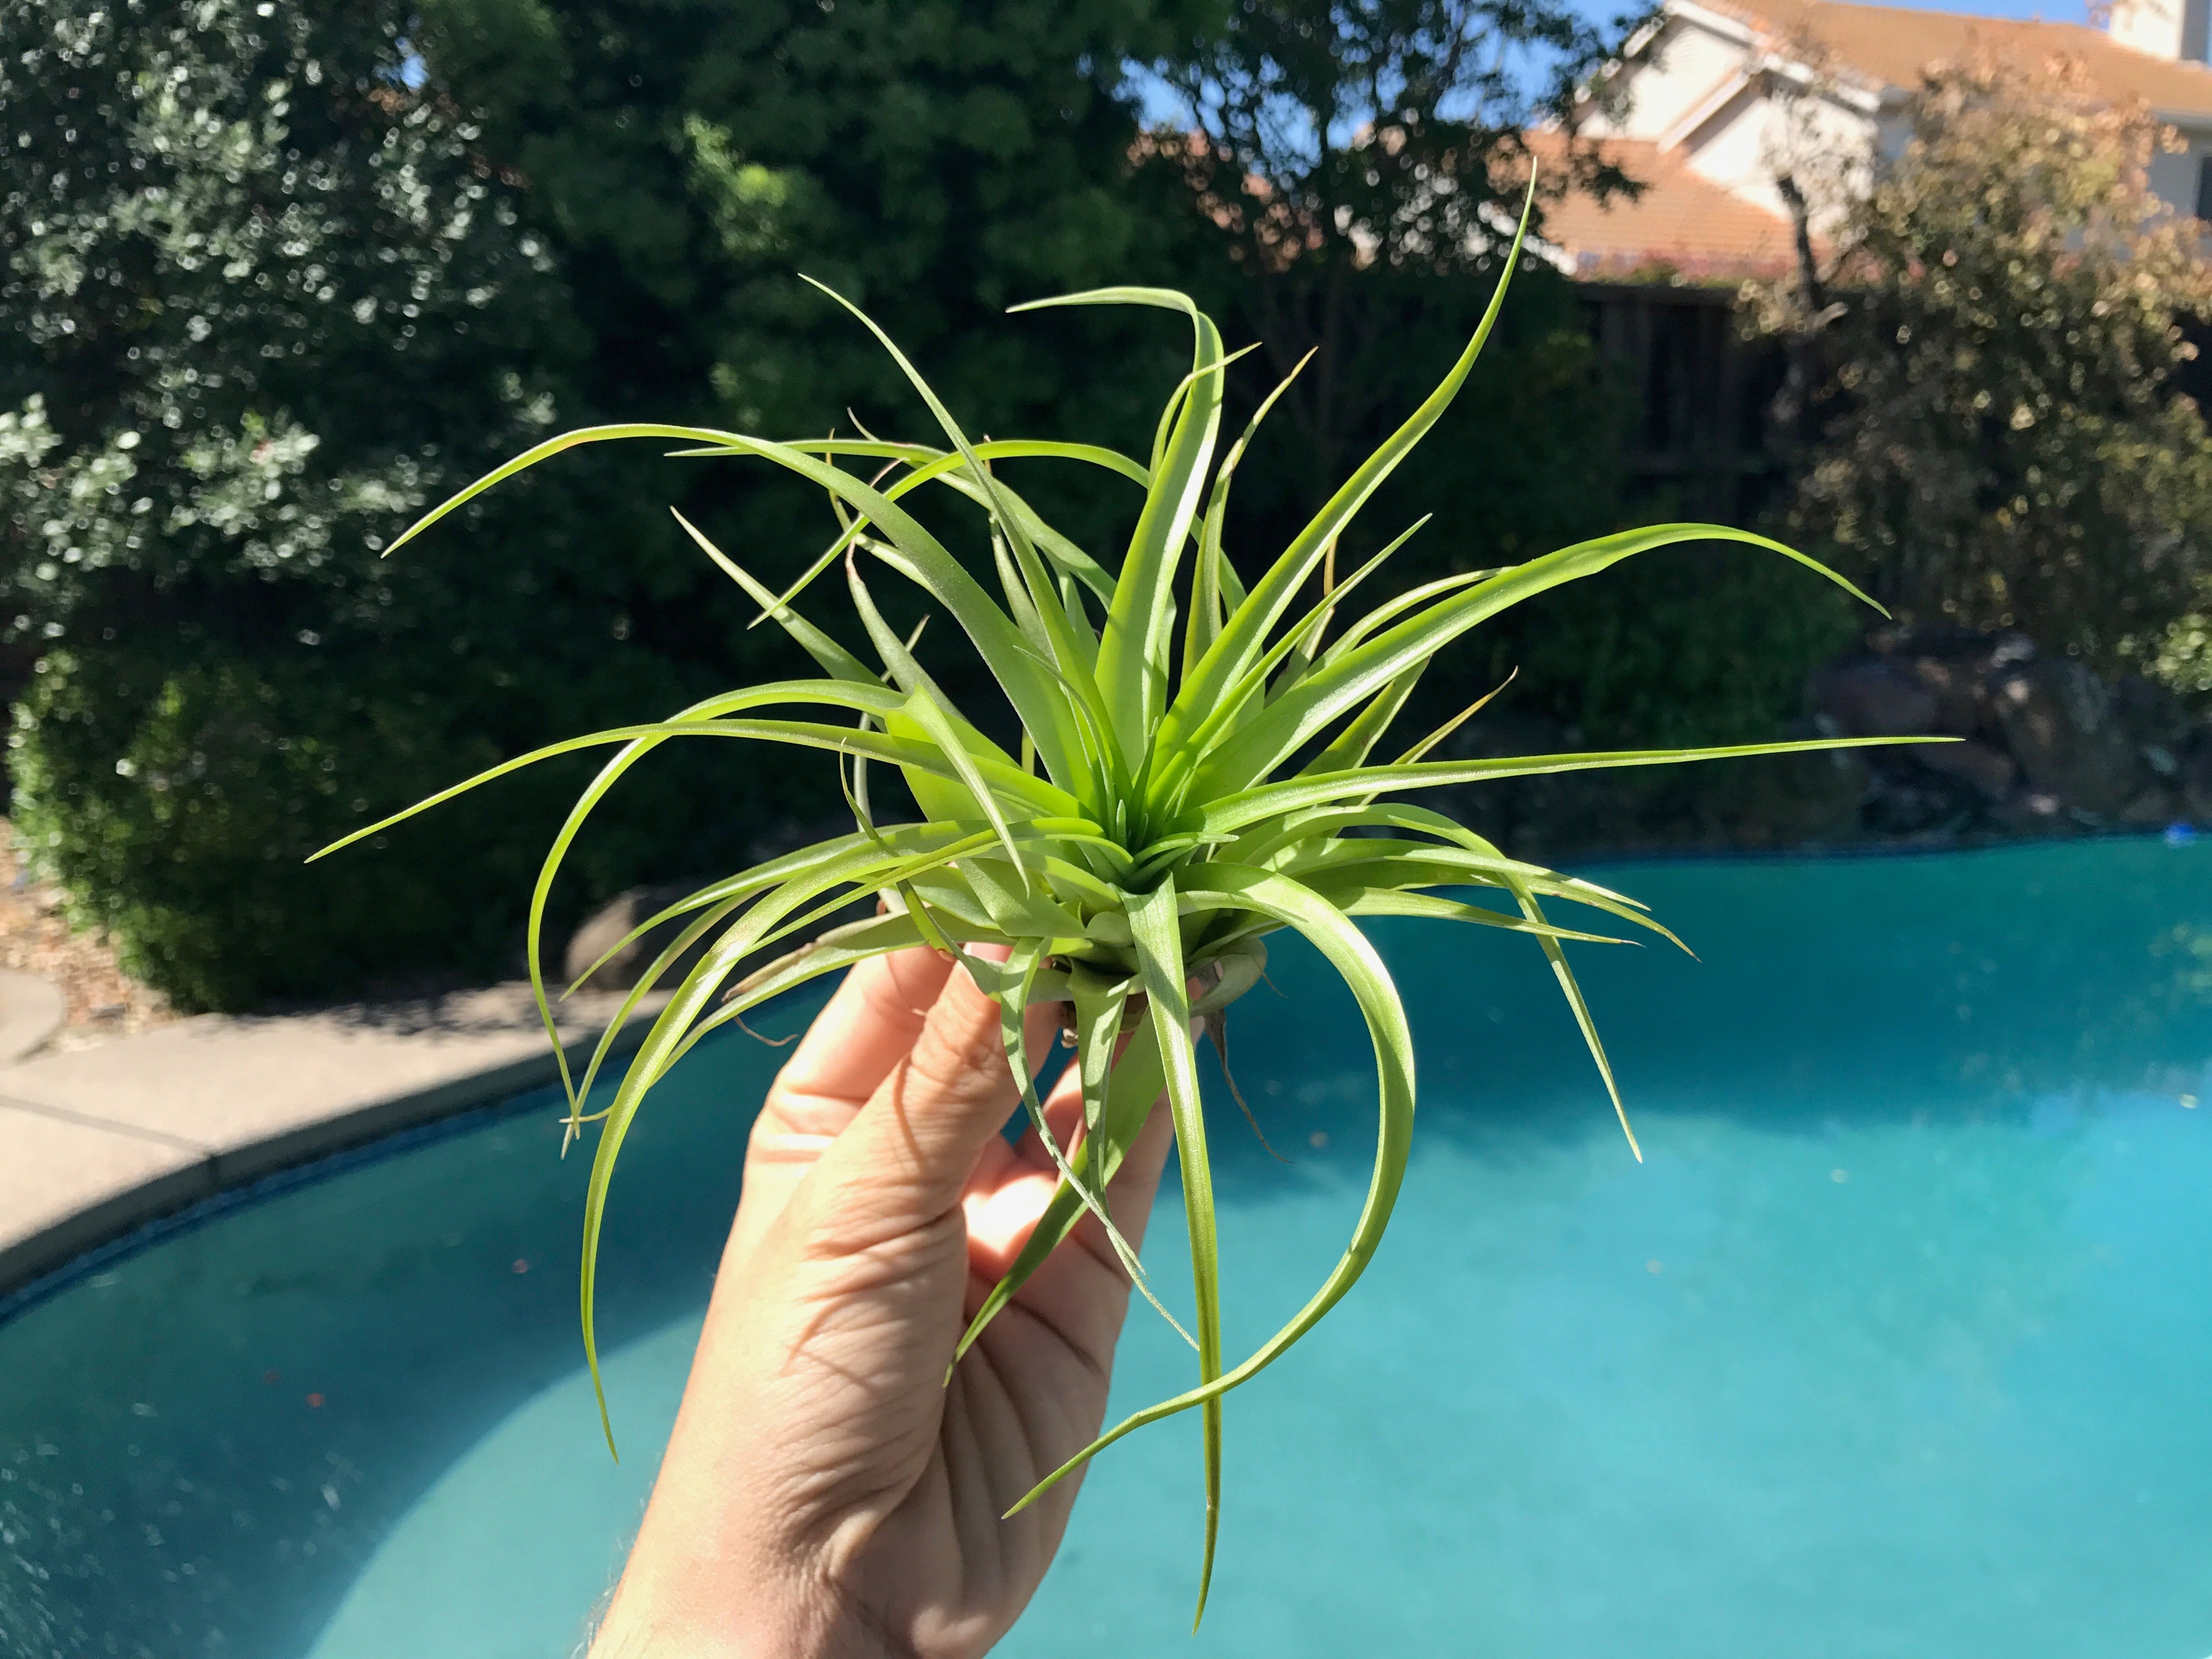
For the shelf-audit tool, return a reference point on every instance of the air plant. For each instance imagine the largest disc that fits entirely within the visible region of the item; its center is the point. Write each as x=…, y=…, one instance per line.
x=1182, y=791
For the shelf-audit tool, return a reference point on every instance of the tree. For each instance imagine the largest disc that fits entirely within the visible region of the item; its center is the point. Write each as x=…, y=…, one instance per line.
x=211, y=217
x=266, y=297
x=933, y=161
x=690, y=162
x=1998, y=436
x=285, y=272
x=1352, y=152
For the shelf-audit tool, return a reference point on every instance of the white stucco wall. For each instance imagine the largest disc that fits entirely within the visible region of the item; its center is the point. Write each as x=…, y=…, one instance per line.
x=1731, y=148
x=1684, y=66
x=2174, y=177
x=2164, y=28
x=1823, y=143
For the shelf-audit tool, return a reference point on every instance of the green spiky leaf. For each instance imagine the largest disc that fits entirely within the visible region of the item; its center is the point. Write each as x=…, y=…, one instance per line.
x=1169, y=835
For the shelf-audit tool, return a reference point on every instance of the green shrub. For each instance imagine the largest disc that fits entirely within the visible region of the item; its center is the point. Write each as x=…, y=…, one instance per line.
x=1705, y=642
x=262, y=296
x=176, y=803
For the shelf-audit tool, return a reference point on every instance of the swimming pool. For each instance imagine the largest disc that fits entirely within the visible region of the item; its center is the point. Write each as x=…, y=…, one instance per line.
x=1900, y=1343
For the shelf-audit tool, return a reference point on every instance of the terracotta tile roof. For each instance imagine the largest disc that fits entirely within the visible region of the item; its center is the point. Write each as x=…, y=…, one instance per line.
x=1682, y=220
x=1891, y=46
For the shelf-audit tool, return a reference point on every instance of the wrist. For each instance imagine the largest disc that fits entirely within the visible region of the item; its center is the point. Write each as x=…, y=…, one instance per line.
x=733, y=1616
x=750, y=1632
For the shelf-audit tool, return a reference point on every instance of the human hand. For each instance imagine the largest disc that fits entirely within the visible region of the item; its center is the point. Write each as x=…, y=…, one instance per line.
x=826, y=1492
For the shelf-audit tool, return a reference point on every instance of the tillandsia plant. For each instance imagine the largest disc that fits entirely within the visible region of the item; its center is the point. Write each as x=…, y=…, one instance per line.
x=1184, y=790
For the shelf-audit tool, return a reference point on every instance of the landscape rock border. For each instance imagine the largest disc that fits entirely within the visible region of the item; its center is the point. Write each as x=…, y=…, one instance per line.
x=2042, y=745
x=2039, y=746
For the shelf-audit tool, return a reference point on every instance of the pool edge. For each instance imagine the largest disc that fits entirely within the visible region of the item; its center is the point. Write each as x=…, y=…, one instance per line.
x=74, y=1180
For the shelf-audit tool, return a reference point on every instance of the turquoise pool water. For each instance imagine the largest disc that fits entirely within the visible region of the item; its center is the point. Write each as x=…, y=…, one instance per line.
x=1900, y=1344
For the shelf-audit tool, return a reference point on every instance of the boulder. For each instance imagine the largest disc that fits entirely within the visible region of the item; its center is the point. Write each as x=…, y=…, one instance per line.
x=2159, y=724
x=1960, y=686
x=2059, y=722
x=1990, y=772
x=2193, y=776
x=1956, y=665
x=2151, y=809
x=2151, y=716
x=2032, y=812
x=1874, y=697
x=1920, y=803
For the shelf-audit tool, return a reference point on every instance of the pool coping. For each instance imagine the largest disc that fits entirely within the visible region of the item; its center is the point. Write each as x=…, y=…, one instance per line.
x=96, y=1143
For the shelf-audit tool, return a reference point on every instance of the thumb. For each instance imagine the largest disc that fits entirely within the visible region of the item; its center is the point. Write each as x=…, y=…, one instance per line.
x=906, y=1157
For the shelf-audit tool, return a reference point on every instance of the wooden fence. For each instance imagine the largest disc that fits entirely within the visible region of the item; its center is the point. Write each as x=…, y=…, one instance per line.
x=1703, y=442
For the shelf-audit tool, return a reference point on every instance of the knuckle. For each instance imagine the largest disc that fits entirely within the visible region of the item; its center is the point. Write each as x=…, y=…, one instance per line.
x=964, y=1059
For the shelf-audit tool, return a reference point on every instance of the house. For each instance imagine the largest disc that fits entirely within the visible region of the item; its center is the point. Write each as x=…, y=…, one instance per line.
x=1708, y=101
x=1681, y=223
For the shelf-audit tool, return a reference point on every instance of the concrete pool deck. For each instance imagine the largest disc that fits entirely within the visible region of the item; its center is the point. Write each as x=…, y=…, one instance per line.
x=95, y=1142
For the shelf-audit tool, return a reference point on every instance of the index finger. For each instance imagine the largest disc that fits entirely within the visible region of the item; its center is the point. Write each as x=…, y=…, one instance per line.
x=867, y=1028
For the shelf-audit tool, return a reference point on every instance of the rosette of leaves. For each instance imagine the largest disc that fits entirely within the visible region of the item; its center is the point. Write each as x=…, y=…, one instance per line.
x=1196, y=773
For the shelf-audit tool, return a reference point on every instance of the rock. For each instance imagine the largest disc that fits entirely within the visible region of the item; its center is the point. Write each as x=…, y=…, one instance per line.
x=2193, y=776
x=1960, y=686
x=1921, y=803
x=1875, y=698
x=2046, y=749
x=2151, y=809
x=1956, y=665
x=1949, y=640
x=1990, y=772
x=2032, y=812
x=2059, y=722
x=2153, y=717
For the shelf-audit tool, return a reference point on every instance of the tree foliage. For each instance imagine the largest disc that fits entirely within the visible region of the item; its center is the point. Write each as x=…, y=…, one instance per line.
x=265, y=297
x=1997, y=438
x=1344, y=150
x=280, y=273
x=221, y=231
x=691, y=162
x=691, y=159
